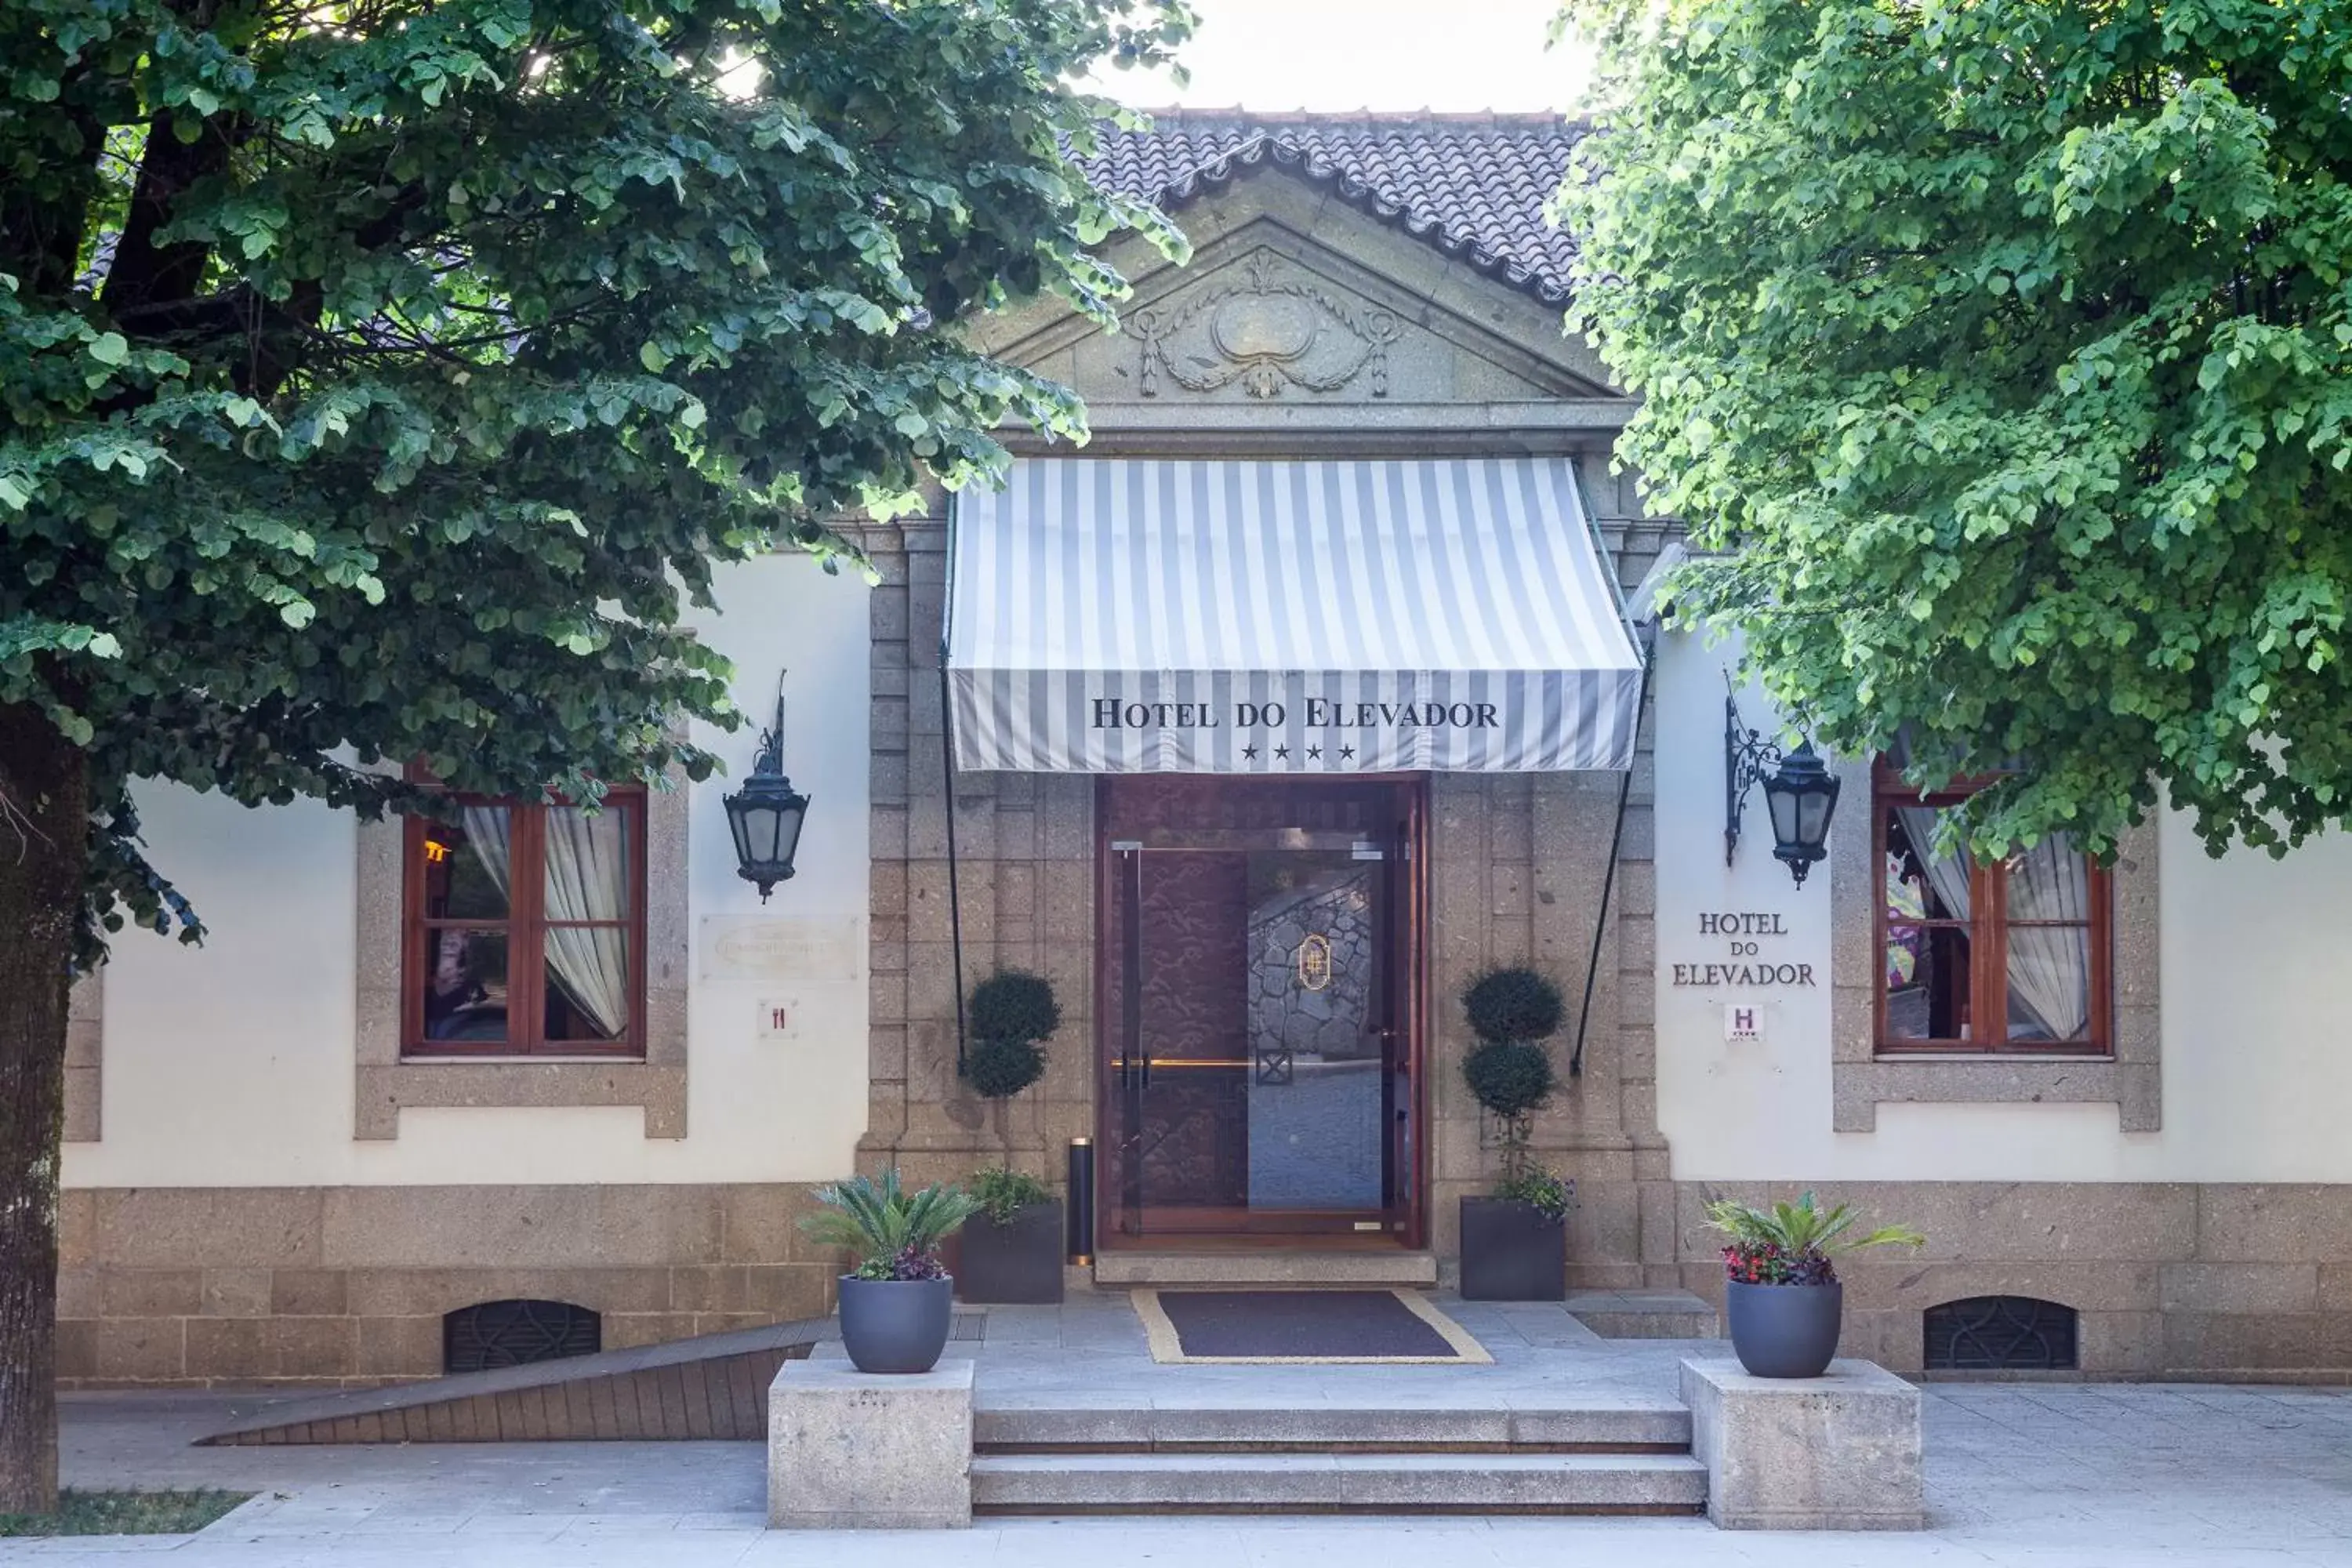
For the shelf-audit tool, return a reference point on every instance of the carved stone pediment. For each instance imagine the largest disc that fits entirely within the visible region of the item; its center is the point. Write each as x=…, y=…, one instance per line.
x=1292, y=318
x=1274, y=329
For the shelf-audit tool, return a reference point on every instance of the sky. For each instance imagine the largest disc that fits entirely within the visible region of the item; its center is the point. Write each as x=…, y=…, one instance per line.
x=1447, y=55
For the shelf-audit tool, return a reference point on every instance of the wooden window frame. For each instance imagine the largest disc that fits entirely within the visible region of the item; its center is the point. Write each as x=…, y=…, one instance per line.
x=1988, y=927
x=525, y=926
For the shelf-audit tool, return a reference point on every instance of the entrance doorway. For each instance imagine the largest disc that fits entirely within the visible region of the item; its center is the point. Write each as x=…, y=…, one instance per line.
x=1259, y=1036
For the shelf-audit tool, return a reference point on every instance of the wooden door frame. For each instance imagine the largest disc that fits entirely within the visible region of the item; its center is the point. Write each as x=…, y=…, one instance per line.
x=1409, y=793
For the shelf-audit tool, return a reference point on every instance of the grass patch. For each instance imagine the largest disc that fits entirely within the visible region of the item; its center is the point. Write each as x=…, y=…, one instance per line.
x=124, y=1513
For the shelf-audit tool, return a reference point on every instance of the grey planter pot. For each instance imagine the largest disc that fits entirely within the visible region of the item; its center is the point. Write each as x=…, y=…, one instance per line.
x=1784, y=1330
x=1512, y=1251
x=1019, y=1263
x=896, y=1325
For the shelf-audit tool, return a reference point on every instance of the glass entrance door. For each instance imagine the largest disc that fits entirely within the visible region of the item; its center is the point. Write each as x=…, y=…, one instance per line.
x=1257, y=1034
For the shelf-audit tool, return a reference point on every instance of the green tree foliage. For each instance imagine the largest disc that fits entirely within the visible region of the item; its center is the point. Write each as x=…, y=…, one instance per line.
x=1510, y=1077
x=383, y=375
x=999, y=1066
x=2006, y=346
x=380, y=379
x=1513, y=1003
x=1012, y=1013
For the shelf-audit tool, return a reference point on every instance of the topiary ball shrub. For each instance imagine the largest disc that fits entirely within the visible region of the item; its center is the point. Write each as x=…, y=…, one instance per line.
x=1014, y=1006
x=1510, y=1077
x=1513, y=1005
x=1001, y=1069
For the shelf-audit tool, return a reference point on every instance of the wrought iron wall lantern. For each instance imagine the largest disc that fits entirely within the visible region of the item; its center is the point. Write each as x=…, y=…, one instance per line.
x=765, y=815
x=1800, y=794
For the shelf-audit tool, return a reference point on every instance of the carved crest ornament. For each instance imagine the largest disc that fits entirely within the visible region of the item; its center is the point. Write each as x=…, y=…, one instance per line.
x=1268, y=331
x=1314, y=963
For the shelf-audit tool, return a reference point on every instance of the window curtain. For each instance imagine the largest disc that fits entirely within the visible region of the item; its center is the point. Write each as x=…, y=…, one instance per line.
x=588, y=880
x=489, y=834
x=1948, y=874
x=2049, y=966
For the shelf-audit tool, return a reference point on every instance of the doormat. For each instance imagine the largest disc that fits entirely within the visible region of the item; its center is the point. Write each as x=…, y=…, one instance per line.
x=1303, y=1327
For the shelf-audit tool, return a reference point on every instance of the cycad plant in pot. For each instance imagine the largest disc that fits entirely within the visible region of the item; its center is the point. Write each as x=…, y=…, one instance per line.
x=1782, y=1298
x=1514, y=1239
x=896, y=1300
x=1010, y=1251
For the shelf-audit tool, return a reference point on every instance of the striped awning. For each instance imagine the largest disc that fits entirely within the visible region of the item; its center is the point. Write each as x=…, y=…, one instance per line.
x=1123, y=615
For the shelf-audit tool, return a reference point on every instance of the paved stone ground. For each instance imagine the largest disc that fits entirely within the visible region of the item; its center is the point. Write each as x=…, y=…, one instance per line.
x=2026, y=1475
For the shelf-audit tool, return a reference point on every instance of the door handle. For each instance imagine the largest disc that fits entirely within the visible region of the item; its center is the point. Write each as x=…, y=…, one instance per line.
x=1131, y=1047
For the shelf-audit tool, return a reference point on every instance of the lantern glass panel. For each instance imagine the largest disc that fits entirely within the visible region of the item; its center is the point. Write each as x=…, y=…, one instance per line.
x=753, y=830
x=1813, y=811
x=787, y=840
x=1781, y=802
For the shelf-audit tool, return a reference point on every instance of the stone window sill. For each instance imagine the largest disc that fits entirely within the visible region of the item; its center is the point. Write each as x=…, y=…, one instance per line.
x=1861, y=1087
x=503, y=1059
x=2091, y=1057
x=385, y=1090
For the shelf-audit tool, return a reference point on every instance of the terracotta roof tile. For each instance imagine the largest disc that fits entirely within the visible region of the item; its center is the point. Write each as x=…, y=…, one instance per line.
x=1474, y=185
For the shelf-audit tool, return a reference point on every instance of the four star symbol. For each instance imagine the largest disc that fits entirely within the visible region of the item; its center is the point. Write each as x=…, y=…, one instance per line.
x=1313, y=753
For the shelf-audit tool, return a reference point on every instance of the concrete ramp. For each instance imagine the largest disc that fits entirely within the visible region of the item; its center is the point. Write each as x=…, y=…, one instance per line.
x=713, y=1386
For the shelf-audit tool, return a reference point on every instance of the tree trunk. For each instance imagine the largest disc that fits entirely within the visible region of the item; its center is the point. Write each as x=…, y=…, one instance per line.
x=44, y=827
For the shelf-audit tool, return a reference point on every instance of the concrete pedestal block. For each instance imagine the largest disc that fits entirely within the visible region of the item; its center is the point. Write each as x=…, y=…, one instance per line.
x=1838, y=1452
x=851, y=1451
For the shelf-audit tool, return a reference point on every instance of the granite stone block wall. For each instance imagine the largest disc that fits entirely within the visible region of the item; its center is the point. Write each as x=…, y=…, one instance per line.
x=2206, y=1282
x=327, y=1286
x=1024, y=846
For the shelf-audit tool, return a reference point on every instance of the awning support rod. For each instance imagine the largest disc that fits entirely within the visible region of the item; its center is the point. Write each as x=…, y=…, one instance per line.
x=1648, y=644
x=947, y=779
x=955, y=902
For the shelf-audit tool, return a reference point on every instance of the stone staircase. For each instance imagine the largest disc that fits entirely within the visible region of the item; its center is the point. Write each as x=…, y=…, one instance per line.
x=1601, y=1455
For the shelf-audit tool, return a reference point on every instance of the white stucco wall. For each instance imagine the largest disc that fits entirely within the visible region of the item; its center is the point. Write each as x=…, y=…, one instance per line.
x=233, y=1063
x=2255, y=1063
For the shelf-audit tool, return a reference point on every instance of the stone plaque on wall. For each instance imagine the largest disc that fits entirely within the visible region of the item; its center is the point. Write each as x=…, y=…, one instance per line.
x=776, y=947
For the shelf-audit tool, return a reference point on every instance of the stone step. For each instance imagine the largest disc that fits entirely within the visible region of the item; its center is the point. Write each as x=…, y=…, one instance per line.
x=1592, y=1423
x=1643, y=1314
x=1265, y=1269
x=1337, y=1483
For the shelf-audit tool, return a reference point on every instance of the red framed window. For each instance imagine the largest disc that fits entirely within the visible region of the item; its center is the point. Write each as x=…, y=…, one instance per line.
x=2013, y=957
x=525, y=930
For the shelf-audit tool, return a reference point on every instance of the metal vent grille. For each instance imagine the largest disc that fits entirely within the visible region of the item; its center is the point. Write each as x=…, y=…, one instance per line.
x=2000, y=1333
x=516, y=1333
